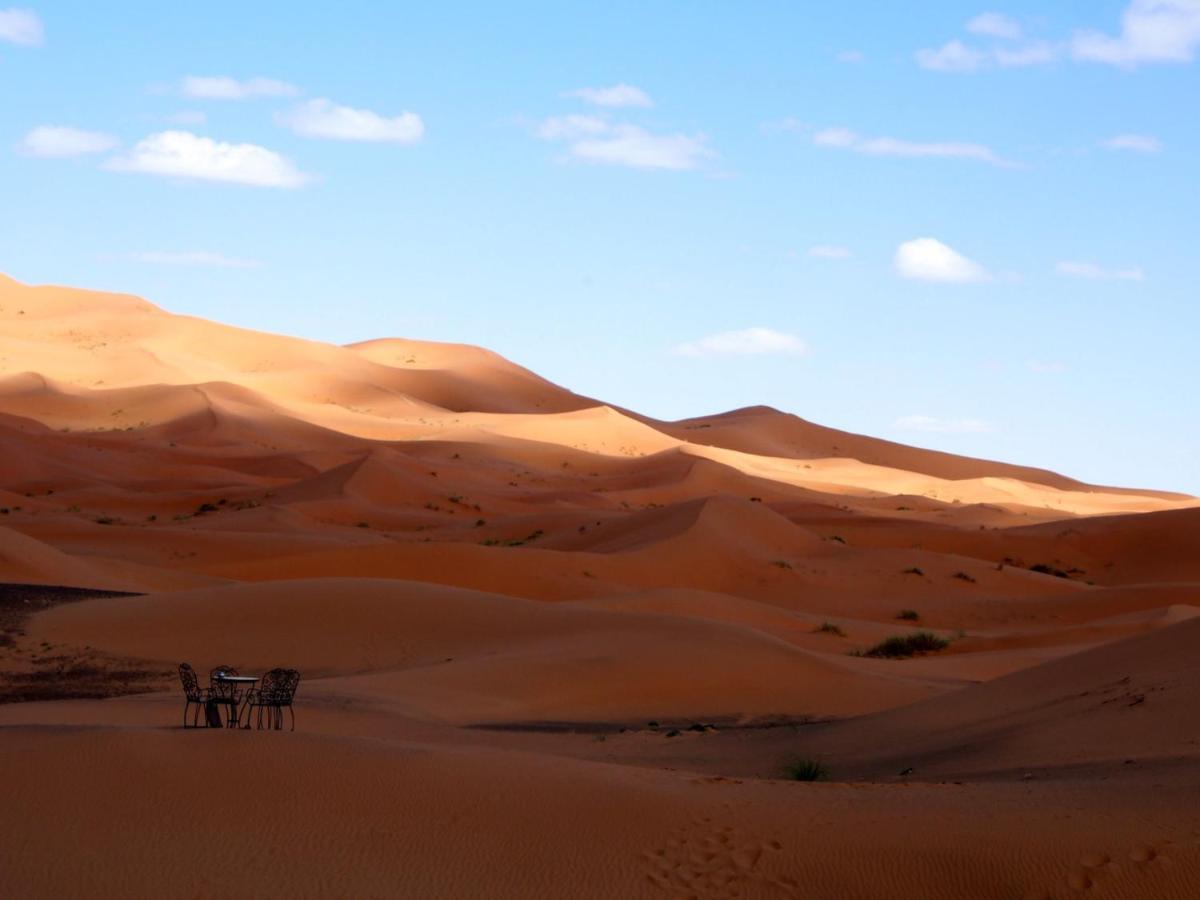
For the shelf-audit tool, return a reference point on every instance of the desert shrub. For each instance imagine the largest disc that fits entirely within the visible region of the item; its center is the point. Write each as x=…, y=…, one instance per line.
x=807, y=770
x=1048, y=570
x=829, y=628
x=915, y=570
x=963, y=576
x=908, y=615
x=904, y=646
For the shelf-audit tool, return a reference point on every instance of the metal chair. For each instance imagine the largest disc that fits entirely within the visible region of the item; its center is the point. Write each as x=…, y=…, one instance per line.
x=224, y=693
x=277, y=690
x=193, y=694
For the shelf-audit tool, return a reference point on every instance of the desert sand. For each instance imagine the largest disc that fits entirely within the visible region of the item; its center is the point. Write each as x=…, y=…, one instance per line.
x=554, y=648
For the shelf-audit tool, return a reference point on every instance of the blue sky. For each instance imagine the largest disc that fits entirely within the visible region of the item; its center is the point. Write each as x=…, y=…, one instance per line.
x=972, y=228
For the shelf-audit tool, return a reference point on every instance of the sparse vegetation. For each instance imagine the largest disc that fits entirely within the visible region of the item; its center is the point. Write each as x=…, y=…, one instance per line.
x=963, y=576
x=525, y=540
x=836, y=537
x=363, y=525
x=908, y=615
x=829, y=628
x=782, y=564
x=1047, y=569
x=904, y=646
x=807, y=770
x=914, y=570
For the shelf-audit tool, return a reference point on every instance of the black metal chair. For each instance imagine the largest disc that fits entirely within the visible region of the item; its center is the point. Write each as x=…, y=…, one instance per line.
x=193, y=695
x=225, y=693
x=275, y=693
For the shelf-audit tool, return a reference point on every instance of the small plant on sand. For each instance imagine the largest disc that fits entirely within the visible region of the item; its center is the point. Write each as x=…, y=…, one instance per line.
x=782, y=564
x=807, y=770
x=908, y=615
x=1045, y=569
x=963, y=576
x=363, y=525
x=829, y=628
x=914, y=570
x=904, y=646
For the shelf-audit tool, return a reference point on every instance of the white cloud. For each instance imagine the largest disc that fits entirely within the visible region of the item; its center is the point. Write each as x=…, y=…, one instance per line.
x=595, y=140
x=829, y=251
x=1093, y=272
x=1036, y=53
x=58, y=142
x=572, y=127
x=851, y=56
x=928, y=259
x=944, y=426
x=953, y=56
x=1152, y=31
x=629, y=145
x=323, y=118
x=193, y=258
x=845, y=139
x=619, y=95
x=181, y=154
x=222, y=87
x=21, y=26
x=749, y=342
x=1139, y=143
x=997, y=25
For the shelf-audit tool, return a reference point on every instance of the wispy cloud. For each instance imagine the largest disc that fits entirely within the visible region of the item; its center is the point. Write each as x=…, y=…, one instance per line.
x=845, y=139
x=593, y=139
x=928, y=259
x=323, y=118
x=181, y=154
x=222, y=87
x=955, y=56
x=944, y=426
x=1152, y=31
x=1138, y=143
x=993, y=24
x=60, y=142
x=22, y=27
x=749, y=342
x=618, y=95
x=851, y=56
x=193, y=258
x=829, y=251
x=1094, y=272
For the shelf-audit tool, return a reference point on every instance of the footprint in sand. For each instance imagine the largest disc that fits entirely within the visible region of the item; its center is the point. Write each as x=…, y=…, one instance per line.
x=1100, y=872
x=712, y=861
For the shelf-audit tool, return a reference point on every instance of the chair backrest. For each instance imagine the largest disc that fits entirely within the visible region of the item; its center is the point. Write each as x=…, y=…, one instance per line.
x=191, y=686
x=219, y=688
x=279, y=686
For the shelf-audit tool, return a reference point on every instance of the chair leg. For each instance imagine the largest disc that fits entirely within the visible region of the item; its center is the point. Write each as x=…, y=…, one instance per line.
x=292, y=713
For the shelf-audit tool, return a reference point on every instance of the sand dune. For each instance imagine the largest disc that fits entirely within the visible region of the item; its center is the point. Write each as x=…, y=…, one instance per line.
x=494, y=585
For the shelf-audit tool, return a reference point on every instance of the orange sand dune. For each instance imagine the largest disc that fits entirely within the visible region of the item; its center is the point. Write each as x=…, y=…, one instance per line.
x=494, y=585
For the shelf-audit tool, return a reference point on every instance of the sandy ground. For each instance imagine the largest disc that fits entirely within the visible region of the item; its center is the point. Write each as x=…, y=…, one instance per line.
x=552, y=648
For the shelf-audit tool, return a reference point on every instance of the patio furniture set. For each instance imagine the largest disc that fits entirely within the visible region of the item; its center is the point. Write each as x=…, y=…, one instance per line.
x=239, y=698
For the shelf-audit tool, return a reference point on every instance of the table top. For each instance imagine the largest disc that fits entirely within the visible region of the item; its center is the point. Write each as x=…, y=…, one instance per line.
x=246, y=678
